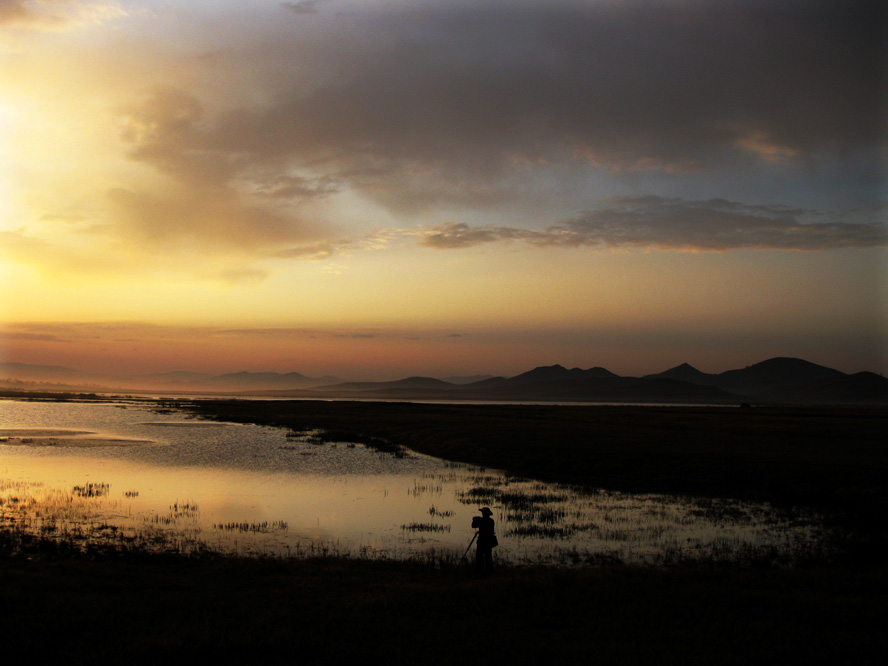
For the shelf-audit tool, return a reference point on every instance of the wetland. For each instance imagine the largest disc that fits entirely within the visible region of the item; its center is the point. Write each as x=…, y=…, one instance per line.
x=130, y=555
x=195, y=485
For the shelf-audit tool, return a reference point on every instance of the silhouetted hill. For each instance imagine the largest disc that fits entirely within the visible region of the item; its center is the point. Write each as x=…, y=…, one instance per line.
x=467, y=380
x=266, y=380
x=408, y=383
x=774, y=374
x=171, y=378
x=558, y=373
x=776, y=380
x=484, y=384
x=580, y=387
x=25, y=371
x=686, y=373
x=859, y=388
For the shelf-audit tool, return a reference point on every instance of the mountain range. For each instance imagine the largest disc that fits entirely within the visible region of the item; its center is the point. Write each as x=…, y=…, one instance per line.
x=52, y=376
x=777, y=380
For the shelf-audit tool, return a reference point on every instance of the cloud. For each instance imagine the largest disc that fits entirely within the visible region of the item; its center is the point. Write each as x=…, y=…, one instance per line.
x=239, y=275
x=302, y=7
x=13, y=11
x=56, y=14
x=451, y=104
x=459, y=235
x=676, y=224
x=276, y=135
x=215, y=199
x=79, y=331
x=213, y=218
x=165, y=130
x=293, y=187
x=7, y=336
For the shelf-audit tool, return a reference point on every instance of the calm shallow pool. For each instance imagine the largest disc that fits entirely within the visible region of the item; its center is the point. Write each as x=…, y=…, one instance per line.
x=123, y=471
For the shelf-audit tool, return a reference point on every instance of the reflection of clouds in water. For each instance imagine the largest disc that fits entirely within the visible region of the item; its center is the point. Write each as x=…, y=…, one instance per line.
x=252, y=489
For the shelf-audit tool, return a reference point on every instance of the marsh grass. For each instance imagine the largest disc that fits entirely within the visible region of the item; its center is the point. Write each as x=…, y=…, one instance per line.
x=573, y=525
x=263, y=527
x=542, y=531
x=551, y=520
x=434, y=511
x=425, y=527
x=426, y=486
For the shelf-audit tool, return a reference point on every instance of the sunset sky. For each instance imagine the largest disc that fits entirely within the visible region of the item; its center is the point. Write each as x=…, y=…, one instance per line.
x=442, y=187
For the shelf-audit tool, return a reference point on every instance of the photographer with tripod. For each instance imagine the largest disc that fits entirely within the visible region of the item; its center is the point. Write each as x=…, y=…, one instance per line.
x=486, y=541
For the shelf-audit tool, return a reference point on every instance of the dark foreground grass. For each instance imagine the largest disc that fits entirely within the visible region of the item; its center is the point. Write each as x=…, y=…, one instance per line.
x=147, y=609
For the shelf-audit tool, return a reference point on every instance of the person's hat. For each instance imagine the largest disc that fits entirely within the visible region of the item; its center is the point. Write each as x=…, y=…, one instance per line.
x=486, y=511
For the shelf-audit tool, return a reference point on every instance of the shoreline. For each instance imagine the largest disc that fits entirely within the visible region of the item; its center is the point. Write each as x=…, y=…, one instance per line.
x=796, y=455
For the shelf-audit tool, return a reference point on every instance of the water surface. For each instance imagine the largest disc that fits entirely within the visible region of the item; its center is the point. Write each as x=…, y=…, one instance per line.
x=159, y=478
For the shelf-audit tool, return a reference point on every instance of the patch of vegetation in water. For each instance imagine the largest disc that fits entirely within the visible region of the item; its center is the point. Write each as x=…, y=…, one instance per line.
x=425, y=527
x=92, y=490
x=244, y=527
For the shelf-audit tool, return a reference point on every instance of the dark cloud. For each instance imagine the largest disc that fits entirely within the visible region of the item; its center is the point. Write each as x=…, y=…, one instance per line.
x=624, y=82
x=677, y=224
x=449, y=105
x=166, y=130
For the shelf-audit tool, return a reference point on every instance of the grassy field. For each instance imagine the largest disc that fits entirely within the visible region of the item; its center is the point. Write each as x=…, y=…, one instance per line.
x=59, y=606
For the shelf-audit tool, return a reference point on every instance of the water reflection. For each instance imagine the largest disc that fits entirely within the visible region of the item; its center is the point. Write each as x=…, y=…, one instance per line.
x=250, y=490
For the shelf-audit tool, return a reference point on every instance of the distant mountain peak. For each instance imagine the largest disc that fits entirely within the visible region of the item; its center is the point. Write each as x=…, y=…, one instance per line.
x=549, y=373
x=777, y=372
x=684, y=373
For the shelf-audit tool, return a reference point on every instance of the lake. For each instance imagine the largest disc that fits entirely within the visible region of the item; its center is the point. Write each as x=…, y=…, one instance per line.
x=130, y=472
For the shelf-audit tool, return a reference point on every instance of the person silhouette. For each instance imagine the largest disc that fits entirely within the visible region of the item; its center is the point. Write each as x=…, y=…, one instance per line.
x=486, y=542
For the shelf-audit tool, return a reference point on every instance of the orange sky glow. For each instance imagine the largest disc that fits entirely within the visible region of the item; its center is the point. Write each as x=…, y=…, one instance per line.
x=382, y=189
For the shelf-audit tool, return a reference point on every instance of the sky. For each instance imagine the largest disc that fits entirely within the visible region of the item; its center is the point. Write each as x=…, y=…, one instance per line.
x=379, y=189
